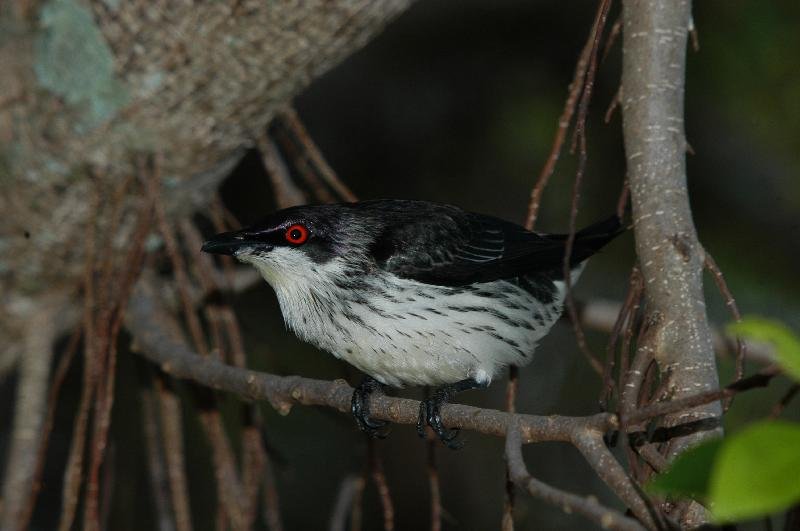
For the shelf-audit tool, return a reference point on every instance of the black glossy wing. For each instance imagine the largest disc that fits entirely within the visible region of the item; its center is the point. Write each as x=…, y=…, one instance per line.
x=449, y=247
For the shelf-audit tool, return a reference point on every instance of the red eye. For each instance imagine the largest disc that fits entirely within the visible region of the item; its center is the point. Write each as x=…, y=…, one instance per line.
x=296, y=234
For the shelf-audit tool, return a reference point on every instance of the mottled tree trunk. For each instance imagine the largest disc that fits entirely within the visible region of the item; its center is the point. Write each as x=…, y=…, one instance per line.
x=86, y=86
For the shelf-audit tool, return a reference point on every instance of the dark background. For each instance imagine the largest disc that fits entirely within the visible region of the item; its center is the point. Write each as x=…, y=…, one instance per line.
x=458, y=102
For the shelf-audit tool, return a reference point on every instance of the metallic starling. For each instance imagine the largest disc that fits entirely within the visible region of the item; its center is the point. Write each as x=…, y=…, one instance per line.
x=413, y=292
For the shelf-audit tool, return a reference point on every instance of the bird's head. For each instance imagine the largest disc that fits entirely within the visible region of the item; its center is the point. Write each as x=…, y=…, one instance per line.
x=297, y=242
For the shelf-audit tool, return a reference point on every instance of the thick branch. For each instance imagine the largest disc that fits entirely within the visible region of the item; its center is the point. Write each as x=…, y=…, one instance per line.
x=671, y=257
x=669, y=252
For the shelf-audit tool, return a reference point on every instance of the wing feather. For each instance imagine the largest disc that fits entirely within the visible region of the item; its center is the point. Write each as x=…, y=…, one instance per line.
x=447, y=246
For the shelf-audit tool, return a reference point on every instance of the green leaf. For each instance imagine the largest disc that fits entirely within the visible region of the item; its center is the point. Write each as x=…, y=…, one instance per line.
x=690, y=472
x=786, y=342
x=756, y=472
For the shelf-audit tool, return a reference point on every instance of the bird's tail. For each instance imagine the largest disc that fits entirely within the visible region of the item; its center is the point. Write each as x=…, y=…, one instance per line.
x=594, y=237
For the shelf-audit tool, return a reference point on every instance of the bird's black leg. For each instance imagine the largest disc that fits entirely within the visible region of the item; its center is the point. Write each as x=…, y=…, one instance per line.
x=359, y=405
x=430, y=411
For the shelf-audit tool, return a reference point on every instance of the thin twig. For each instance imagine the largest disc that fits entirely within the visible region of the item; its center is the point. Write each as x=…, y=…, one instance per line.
x=564, y=120
x=108, y=326
x=778, y=408
x=74, y=469
x=601, y=314
x=433, y=485
x=47, y=427
x=229, y=487
x=613, y=105
x=507, y=520
x=290, y=118
x=580, y=136
x=156, y=461
x=172, y=432
x=730, y=302
x=222, y=317
x=272, y=512
x=348, y=490
x=357, y=508
x=624, y=315
x=375, y=466
x=760, y=379
x=613, y=35
x=588, y=507
x=152, y=184
x=284, y=190
x=622, y=202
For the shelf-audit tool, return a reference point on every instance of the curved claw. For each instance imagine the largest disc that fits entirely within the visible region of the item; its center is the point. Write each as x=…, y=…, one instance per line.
x=359, y=406
x=430, y=414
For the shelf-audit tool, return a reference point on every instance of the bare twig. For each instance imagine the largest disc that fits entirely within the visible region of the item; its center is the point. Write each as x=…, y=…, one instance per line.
x=622, y=202
x=152, y=184
x=283, y=188
x=348, y=490
x=784, y=401
x=507, y=520
x=74, y=468
x=34, y=408
x=588, y=507
x=677, y=405
x=272, y=512
x=375, y=466
x=108, y=327
x=156, y=461
x=580, y=136
x=222, y=318
x=290, y=118
x=613, y=35
x=433, y=485
x=172, y=432
x=730, y=302
x=564, y=120
x=601, y=314
x=613, y=105
x=357, y=507
x=626, y=314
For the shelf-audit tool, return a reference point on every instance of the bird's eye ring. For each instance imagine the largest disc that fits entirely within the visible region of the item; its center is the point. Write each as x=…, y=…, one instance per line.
x=296, y=234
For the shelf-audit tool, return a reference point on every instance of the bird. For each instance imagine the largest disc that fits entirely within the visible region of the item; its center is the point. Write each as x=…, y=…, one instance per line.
x=413, y=293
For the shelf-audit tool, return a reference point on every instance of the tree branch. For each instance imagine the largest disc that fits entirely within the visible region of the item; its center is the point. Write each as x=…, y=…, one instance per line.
x=671, y=257
x=158, y=338
x=589, y=507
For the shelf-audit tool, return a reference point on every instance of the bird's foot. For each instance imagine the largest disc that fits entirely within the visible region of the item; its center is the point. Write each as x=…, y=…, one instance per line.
x=359, y=406
x=430, y=415
x=430, y=412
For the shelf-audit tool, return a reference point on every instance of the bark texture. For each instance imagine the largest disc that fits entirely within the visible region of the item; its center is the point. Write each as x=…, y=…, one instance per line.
x=90, y=83
x=86, y=86
x=679, y=337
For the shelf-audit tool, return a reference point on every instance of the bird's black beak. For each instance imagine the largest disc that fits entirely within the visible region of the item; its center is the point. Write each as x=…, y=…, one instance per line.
x=228, y=243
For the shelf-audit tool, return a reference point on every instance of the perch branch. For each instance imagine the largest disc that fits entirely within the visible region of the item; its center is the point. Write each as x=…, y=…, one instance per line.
x=159, y=340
